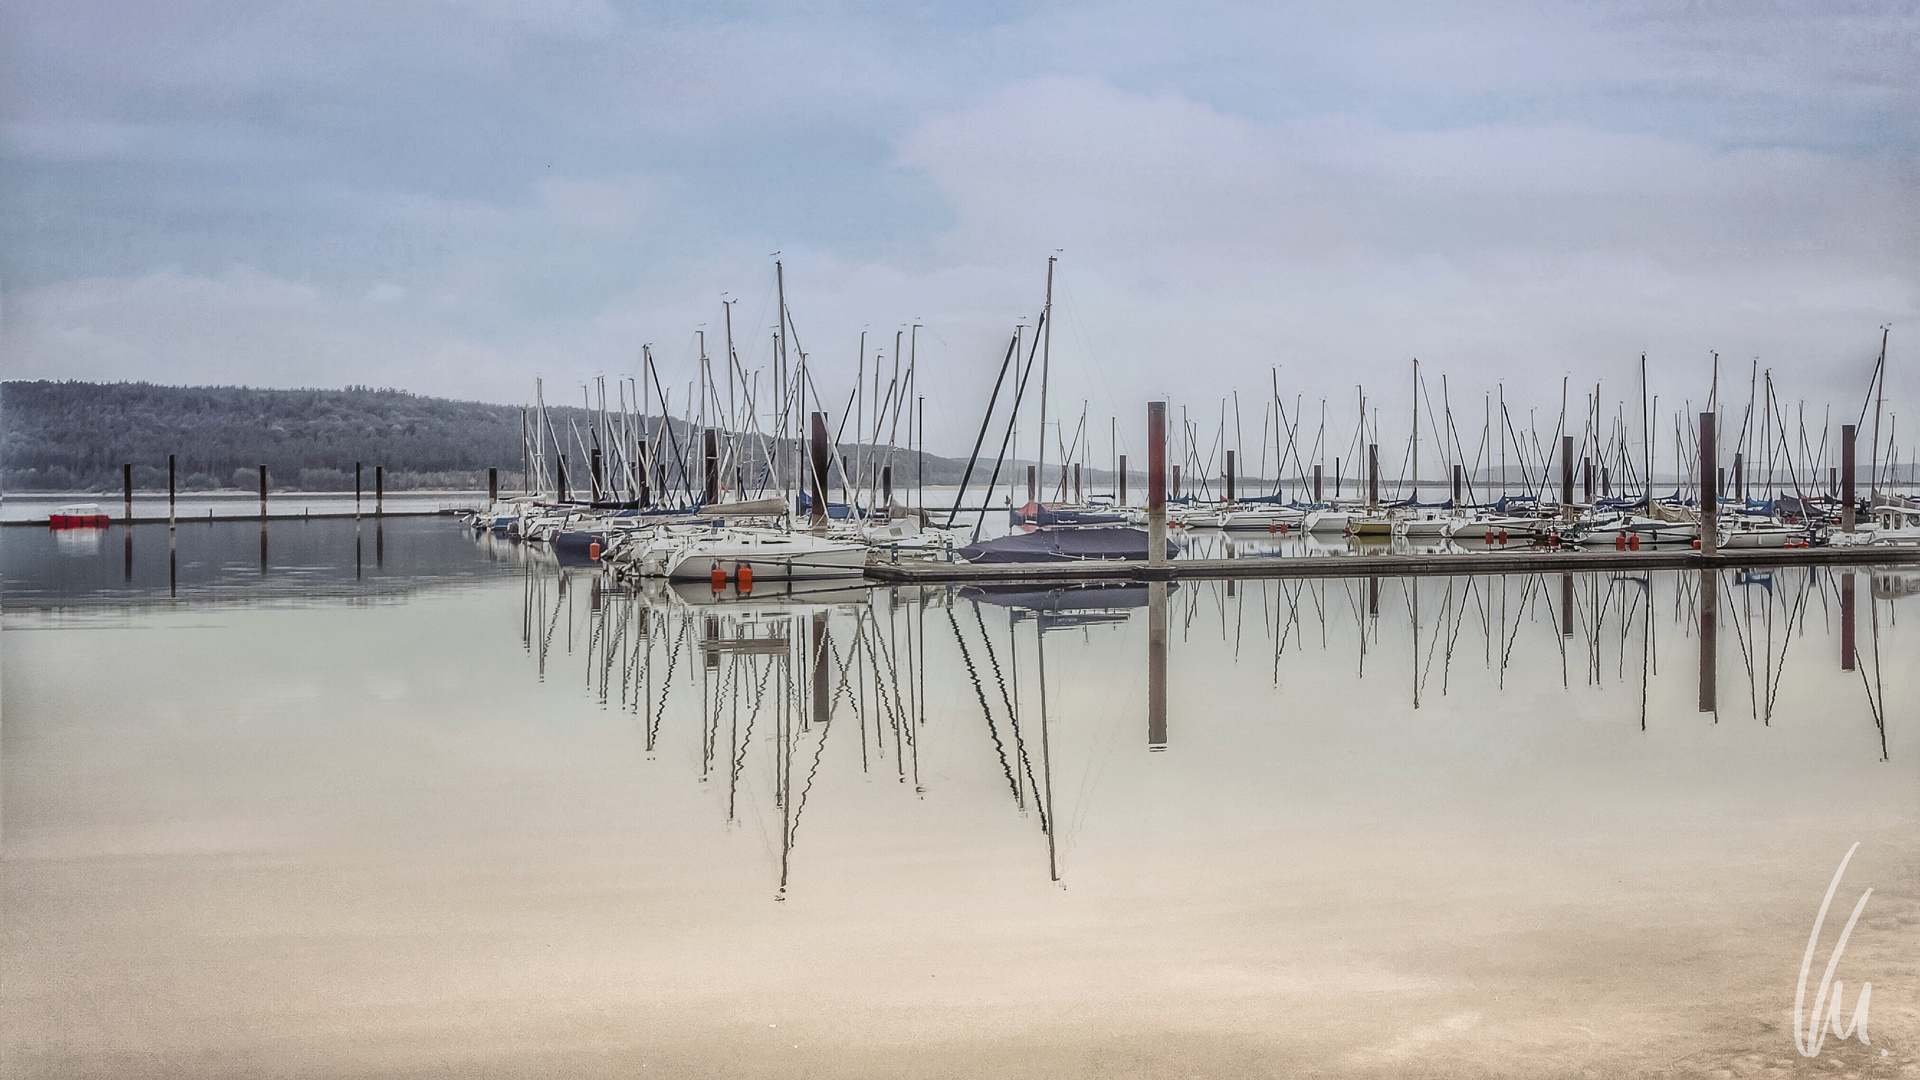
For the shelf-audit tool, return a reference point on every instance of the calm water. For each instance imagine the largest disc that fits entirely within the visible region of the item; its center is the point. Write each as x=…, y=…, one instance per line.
x=398, y=802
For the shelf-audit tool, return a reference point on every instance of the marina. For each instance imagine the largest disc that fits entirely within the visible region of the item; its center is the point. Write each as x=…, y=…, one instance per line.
x=489, y=806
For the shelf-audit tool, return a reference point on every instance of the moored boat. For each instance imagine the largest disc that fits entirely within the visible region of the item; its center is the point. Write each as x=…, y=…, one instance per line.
x=78, y=516
x=1064, y=545
x=770, y=555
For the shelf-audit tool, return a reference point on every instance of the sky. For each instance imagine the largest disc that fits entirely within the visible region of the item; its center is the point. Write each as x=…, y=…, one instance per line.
x=455, y=197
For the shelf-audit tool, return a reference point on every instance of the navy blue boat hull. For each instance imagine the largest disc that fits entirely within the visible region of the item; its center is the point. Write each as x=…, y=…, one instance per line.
x=1063, y=545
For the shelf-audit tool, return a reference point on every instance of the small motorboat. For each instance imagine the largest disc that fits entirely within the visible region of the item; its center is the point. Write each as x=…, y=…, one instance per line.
x=1257, y=518
x=1427, y=526
x=1377, y=525
x=1327, y=521
x=78, y=516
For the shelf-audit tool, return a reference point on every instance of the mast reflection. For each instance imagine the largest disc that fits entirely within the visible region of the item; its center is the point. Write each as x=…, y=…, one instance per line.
x=747, y=689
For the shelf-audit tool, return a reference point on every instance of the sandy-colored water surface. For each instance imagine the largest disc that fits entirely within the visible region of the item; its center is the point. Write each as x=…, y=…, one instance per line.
x=513, y=825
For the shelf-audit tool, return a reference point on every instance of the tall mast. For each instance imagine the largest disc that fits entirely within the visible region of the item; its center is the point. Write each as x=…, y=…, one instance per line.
x=1880, y=376
x=788, y=413
x=1046, y=354
x=1416, y=430
x=1646, y=432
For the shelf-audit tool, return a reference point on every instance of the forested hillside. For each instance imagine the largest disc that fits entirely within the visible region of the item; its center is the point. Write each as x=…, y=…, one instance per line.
x=67, y=436
x=74, y=436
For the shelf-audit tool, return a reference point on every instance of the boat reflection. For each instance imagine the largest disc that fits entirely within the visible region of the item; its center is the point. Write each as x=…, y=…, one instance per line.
x=754, y=684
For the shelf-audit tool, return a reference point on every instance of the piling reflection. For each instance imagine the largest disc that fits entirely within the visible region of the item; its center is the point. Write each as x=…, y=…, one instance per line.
x=1709, y=619
x=761, y=681
x=287, y=561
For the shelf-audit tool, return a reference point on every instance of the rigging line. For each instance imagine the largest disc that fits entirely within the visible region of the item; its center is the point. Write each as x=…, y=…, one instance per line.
x=1006, y=698
x=1019, y=740
x=980, y=691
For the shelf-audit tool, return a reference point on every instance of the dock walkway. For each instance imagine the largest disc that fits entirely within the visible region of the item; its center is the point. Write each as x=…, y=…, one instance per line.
x=1505, y=562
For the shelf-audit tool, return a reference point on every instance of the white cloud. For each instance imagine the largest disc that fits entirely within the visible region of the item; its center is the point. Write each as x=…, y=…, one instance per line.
x=1341, y=248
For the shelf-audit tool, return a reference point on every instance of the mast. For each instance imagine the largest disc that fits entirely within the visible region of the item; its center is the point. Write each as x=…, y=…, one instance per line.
x=1416, y=431
x=1880, y=401
x=787, y=411
x=1046, y=353
x=1646, y=431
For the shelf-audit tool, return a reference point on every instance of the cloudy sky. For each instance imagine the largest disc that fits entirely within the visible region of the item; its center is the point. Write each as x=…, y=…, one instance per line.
x=454, y=196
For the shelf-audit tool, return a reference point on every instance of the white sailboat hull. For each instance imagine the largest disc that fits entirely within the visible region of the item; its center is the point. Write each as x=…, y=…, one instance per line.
x=772, y=557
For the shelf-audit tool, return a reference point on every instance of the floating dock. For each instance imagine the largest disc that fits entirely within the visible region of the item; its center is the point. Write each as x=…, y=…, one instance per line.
x=1502, y=562
x=202, y=519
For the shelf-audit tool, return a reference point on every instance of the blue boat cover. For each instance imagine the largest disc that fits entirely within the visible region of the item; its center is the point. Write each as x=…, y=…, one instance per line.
x=1042, y=514
x=1063, y=545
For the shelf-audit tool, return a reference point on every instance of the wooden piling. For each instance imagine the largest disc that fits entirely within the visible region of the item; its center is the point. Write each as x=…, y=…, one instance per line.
x=379, y=492
x=593, y=469
x=710, y=454
x=1076, y=482
x=1316, y=483
x=1033, y=484
x=263, y=493
x=126, y=483
x=1122, y=480
x=886, y=488
x=356, y=491
x=1566, y=477
x=1157, y=485
x=172, y=520
x=1459, y=479
x=493, y=486
x=1848, y=433
x=1373, y=477
x=1709, y=495
x=1230, y=476
x=817, y=469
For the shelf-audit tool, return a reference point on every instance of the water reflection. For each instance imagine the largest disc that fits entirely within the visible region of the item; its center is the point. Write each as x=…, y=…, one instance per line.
x=760, y=681
x=238, y=562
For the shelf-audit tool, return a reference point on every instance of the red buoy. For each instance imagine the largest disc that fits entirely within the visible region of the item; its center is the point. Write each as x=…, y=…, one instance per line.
x=1283, y=528
x=1620, y=542
x=1503, y=536
x=593, y=550
x=1633, y=543
x=719, y=578
x=1489, y=537
x=1696, y=543
x=743, y=578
